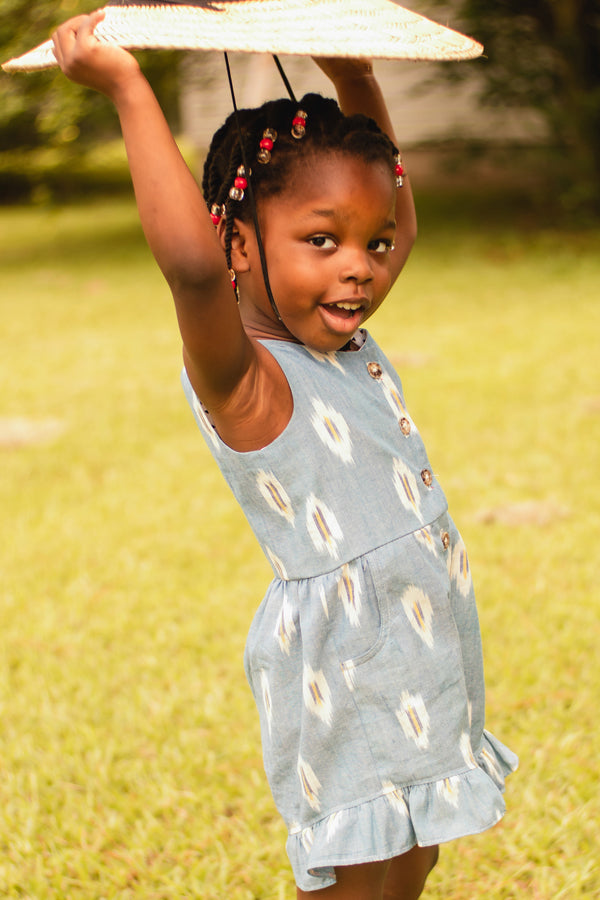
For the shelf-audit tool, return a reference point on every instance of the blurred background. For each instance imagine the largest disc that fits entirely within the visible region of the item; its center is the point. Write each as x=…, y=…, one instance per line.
x=526, y=115
x=130, y=761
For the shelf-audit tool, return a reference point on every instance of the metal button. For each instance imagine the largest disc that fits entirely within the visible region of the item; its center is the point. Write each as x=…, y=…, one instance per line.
x=445, y=539
x=404, y=425
x=427, y=477
x=374, y=370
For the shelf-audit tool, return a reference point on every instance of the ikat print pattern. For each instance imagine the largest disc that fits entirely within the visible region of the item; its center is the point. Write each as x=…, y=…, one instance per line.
x=333, y=429
x=364, y=657
x=419, y=612
x=349, y=592
x=275, y=495
x=323, y=527
x=295, y=480
x=317, y=694
x=407, y=487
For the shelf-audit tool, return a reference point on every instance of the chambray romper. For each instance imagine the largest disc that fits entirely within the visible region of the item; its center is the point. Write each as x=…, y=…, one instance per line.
x=365, y=655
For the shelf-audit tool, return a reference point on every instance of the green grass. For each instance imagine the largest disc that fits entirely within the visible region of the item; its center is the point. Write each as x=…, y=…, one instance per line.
x=129, y=747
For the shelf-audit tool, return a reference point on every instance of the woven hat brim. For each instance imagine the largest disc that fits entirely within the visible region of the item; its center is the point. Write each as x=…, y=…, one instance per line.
x=378, y=29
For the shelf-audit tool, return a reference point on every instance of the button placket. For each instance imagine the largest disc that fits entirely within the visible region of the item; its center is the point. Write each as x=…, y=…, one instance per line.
x=374, y=370
x=404, y=424
x=427, y=478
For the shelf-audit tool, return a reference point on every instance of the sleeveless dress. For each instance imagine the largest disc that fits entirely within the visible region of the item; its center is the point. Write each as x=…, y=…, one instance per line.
x=364, y=657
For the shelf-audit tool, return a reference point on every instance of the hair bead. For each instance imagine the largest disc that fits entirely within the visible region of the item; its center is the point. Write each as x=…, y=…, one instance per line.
x=234, y=284
x=217, y=211
x=400, y=172
x=239, y=185
x=266, y=145
x=299, y=124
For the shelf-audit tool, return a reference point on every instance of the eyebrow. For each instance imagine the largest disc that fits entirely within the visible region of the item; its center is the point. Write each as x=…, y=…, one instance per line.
x=331, y=214
x=325, y=213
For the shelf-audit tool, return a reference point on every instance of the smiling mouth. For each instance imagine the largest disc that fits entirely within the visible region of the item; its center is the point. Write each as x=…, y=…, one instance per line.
x=346, y=309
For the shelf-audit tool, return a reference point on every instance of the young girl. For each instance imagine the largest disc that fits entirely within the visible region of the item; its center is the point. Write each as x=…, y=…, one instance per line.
x=364, y=657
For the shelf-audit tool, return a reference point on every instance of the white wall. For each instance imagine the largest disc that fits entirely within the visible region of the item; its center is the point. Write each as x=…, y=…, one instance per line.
x=420, y=114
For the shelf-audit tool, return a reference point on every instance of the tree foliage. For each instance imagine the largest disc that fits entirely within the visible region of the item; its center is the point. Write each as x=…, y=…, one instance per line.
x=545, y=55
x=44, y=108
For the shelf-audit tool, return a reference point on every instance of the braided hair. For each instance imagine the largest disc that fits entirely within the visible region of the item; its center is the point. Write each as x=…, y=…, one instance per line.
x=328, y=130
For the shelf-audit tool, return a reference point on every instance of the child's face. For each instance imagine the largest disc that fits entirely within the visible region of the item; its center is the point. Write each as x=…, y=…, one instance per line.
x=327, y=242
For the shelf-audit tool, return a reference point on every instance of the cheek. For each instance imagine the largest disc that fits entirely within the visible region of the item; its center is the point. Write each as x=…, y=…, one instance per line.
x=281, y=256
x=383, y=274
x=293, y=267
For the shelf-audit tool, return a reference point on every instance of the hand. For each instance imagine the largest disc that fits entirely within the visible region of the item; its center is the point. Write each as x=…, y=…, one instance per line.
x=87, y=61
x=343, y=68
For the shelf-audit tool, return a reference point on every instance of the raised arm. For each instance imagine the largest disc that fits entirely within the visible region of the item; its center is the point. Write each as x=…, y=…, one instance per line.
x=358, y=91
x=171, y=207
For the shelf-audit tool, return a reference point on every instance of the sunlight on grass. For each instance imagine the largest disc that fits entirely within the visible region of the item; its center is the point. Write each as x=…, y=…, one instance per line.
x=130, y=753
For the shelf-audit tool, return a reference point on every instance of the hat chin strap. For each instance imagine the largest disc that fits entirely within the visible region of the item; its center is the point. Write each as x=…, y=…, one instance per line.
x=261, y=248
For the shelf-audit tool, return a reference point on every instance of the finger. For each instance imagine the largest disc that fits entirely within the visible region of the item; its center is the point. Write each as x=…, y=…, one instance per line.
x=76, y=32
x=71, y=26
x=344, y=64
x=59, y=40
x=90, y=22
x=65, y=35
x=78, y=28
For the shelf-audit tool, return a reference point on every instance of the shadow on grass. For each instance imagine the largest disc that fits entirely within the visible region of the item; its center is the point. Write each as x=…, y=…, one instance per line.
x=41, y=234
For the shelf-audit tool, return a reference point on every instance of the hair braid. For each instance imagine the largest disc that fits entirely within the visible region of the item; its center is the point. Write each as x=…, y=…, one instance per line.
x=328, y=131
x=212, y=178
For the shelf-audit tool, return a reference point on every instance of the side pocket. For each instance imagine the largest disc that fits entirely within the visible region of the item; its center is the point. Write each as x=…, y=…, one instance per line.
x=361, y=626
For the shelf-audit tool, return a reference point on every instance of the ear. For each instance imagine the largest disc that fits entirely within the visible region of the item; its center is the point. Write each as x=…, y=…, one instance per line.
x=239, y=243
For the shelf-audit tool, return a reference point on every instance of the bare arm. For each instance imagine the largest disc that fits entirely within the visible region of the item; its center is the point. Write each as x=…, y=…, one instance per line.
x=172, y=211
x=358, y=91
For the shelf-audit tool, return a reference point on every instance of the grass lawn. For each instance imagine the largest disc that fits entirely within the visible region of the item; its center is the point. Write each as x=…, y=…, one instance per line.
x=129, y=747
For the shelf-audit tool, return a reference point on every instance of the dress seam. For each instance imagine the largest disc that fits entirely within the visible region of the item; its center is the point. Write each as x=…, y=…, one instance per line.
x=464, y=770
x=344, y=562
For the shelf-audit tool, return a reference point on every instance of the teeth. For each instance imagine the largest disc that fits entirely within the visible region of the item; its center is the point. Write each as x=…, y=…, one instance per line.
x=349, y=306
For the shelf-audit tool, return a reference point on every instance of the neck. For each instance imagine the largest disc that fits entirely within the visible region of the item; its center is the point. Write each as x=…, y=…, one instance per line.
x=260, y=326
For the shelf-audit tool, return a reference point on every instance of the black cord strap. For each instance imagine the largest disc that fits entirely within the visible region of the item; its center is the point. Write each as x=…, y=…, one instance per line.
x=288, y=86
x=261, y=249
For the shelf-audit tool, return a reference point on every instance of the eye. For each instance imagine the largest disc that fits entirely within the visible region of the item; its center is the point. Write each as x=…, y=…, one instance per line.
x=382, y=245
x=322, y=241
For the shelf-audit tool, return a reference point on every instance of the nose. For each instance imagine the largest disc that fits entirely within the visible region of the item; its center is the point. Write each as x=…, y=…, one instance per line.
x=356, y=266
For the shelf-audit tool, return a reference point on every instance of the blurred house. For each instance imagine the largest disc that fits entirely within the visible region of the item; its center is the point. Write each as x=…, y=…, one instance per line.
x=427, y=110
x=424, y=108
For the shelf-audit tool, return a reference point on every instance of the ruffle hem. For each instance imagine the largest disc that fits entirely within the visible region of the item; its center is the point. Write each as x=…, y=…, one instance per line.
x=467, y=802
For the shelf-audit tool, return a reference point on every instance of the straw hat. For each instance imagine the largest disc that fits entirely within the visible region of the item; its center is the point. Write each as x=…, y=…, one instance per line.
x=357, y=28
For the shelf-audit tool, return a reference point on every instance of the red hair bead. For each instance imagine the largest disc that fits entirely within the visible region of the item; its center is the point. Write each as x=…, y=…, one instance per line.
x=399, y=168
x=266, y=145
x=299, y=124
x=239, y=185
